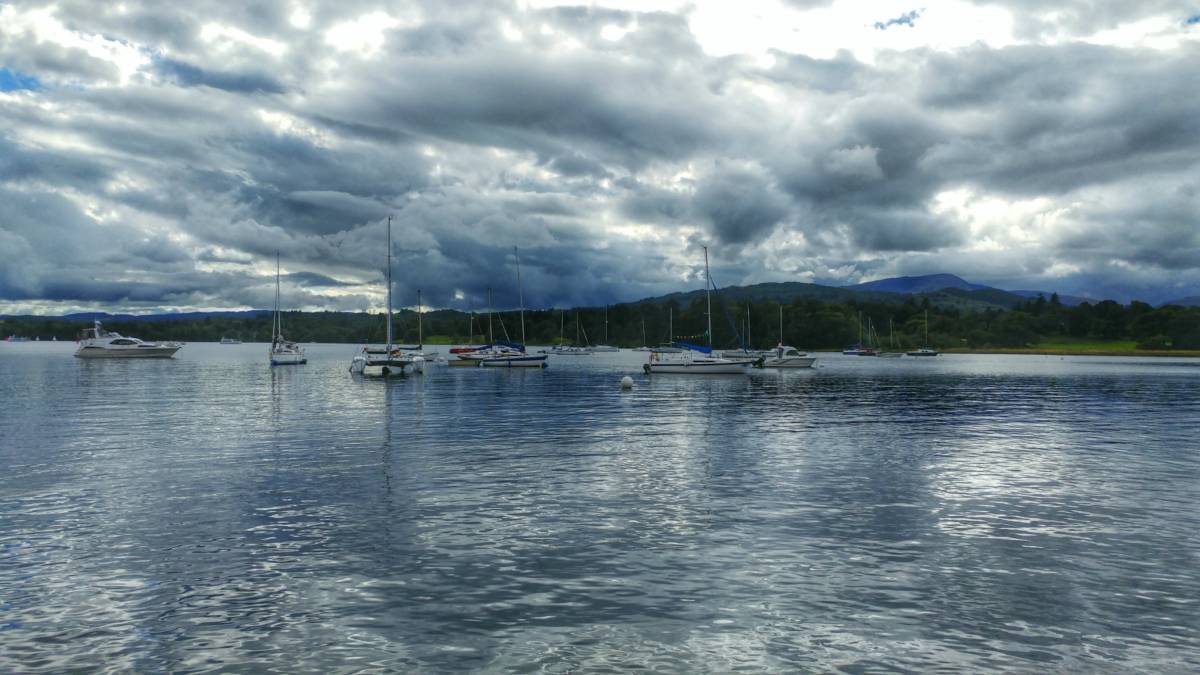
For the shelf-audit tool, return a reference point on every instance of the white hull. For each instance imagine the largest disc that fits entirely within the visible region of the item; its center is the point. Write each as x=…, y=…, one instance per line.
x=790, y=362
x=700, y=367
x=288, y=359
x=130, y=353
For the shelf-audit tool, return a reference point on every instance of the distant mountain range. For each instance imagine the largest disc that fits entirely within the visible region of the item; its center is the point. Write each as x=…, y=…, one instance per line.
x=943, y=290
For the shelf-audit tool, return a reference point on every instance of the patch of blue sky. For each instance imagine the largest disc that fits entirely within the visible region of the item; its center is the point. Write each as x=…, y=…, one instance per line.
x=906, y=19
x=1192, y=20
x=12, y=80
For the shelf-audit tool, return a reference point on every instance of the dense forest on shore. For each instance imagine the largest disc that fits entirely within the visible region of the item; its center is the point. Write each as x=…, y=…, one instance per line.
x=807, y=323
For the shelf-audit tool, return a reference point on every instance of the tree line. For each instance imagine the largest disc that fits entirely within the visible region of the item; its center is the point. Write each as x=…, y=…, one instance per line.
x=807, y=324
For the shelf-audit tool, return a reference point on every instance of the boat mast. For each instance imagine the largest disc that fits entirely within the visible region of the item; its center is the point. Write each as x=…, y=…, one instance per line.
x=926, y=328
x=606, y=324
x=671, y=325
x=420, y=337
x=780, y=323
x=643, y=330
x=562, y=324
x=275, y=324
x=708, y=297
x=491, y=336
x=389, y=285
x=520, y=294
x=747, y=324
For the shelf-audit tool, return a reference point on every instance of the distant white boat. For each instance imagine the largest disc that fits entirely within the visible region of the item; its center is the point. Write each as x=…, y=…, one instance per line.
x=97, y=343
x=16, y=338
x=698, y=360
x=926, y=350
x=784, y=356
x=561, y=349
x=283, y=352
x=605, y=347
x=230, y=341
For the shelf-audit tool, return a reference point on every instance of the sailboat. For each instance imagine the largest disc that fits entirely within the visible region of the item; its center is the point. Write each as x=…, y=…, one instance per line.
x=926, y=350
x=747, y=351
x=669, y=347
x=784, y=356
x=695, y=359
x=283, y=352
x=569, y=350
x=605, y=347
x=388, y=361
x=891, y=344
x=643, y=348
x=514, y=356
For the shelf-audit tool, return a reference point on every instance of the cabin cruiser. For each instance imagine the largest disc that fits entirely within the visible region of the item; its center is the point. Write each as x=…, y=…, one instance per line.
x=376, y=362
x=693, y=359
x=788, y=357
x=97, y=343
x=230, y=341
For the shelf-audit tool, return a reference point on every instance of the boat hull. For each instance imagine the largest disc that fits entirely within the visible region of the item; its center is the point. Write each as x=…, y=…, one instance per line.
x=699, y=367
x=288, y=359
x=791, y=362
x=532, y=361
x=135, y=353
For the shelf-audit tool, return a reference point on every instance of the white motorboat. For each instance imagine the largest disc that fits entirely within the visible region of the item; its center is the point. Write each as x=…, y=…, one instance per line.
x=283, y=352
x=510, y=355
x=694, y=359
x=97, y=343
x=230, y=341
x=788, y=357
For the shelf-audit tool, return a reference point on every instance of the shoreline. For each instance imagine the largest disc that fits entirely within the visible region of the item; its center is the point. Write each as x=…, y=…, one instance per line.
x=1035, y=351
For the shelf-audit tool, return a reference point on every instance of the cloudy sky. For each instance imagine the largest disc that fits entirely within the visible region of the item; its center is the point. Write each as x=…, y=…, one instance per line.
x=157, y=155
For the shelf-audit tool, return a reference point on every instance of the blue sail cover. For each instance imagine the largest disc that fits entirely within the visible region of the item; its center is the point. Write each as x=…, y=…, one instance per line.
x=695, y=348
x=513, y=345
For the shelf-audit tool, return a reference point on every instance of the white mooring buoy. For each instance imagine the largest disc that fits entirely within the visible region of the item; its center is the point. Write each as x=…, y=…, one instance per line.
x=627, y=382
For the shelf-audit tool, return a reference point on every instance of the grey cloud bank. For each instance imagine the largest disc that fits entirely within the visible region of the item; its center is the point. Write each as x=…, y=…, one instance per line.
x=168, y=153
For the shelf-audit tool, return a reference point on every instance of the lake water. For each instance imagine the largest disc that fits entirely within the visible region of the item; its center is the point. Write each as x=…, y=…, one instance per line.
x=990, y=513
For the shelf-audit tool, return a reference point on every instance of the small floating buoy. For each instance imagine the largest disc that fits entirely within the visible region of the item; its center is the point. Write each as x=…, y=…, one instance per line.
x=627, y=382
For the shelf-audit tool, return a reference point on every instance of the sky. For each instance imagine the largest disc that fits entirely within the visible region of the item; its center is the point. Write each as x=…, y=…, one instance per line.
x=158, y=156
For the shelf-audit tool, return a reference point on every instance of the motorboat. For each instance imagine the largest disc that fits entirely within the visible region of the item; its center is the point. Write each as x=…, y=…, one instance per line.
x=97, y=343
x=788, y=357
x=283, y=352
x=694, y=359
x=784, y=356
x=230, y=341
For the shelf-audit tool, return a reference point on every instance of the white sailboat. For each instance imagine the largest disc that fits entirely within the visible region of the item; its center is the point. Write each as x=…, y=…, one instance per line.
x=386, y=361
x=891, y=344
x=644, y=347
x=669, y=346
x=605, y=347
x=698, y=360
x=477, y=355
x=283, y=352
x=784, y=356
x=514, y=357
x=569, y=350
x=926, y=350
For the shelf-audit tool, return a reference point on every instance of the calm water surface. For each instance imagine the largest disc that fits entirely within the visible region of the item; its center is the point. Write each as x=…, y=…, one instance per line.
x=965, y=512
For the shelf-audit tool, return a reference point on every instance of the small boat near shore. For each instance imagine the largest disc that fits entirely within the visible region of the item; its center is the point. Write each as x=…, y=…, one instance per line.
x=283, y=352
x=97, y=343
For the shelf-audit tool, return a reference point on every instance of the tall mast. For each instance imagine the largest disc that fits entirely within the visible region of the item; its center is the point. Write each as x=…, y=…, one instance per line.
x=926, y=328
x=562, y=325
x=781, y=322
x=747, y=324
x=671, y=325
x=275, y=324
x=606, y=324
x=491, y=336
x=470, y=326
x=420, y=337
x=389, y=284
x=520, y=294
x=708, y=297
x=643, y=330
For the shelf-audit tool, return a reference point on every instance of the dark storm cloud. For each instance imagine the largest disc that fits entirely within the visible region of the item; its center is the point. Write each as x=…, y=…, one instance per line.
x=244, y=133
x=740, y=205
x=188, y=75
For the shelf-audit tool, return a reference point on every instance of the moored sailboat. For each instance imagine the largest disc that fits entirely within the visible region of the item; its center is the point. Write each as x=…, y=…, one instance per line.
x=695, y=359
x=515, y=356
x=283, y=352
x=388, y=360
